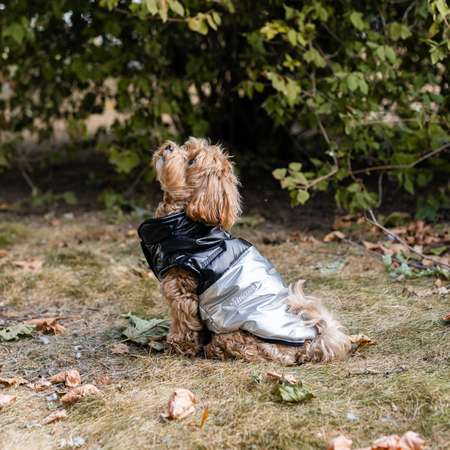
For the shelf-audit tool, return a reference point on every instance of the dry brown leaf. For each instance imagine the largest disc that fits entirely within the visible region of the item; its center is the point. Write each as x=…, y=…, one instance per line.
x=204, y=418
x=47, y=325
x=40, y=385
x=438, y=283
x=29, y=265
x=70, y=378
x=372, y=246
x=103, y=380
x=3, y=253
x=13, y=381
x=359, y=341
x=334, y=236
x=411, y=441
x=79, y=393
x=288, y=378
x=181, y=404
x=446, y=318
x=59, y=414
x=120, y=349
x=6, y=400
x=343, y=221
x=340, y=443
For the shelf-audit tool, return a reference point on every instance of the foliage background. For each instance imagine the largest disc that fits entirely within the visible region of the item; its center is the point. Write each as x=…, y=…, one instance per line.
x=354, y=92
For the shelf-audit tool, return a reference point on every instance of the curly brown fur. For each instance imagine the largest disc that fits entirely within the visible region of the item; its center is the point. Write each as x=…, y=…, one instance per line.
x=198, y=177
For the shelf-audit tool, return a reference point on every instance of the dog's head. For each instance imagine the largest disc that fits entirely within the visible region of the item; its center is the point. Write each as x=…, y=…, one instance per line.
x=201, y=176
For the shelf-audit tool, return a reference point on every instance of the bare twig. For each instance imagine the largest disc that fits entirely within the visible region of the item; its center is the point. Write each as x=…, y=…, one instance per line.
x=404, y=166
x=373, y=220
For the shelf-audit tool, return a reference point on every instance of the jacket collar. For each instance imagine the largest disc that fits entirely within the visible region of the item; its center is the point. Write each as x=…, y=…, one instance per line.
x=153, y=231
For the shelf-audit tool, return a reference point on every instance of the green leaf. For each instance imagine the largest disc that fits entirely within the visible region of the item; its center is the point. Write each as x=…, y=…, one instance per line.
x=312, y=55
x=152, y=6
x=124, y=161
x=352, y=82
x=14, y=332
x=279, y=174
x=292, y=393
x=176, y=7
x=356, y=18
x=399, y=31
x=390, y=54
x=198, y=24
x=15, y=31
x=163, y=10
x=295, y=166
x=143, y=331
x=292, y=91
x=302, y=196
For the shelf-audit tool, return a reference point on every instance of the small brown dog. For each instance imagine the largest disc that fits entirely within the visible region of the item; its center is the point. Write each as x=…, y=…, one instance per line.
x=221, y=287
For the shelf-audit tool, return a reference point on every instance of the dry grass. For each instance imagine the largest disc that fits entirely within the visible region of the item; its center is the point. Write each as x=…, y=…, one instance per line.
x=401, y=384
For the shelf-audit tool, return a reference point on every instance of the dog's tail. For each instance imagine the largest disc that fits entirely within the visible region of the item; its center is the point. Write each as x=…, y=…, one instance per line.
x=331, y=341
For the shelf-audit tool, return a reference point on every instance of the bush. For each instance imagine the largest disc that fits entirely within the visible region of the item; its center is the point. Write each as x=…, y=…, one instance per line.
x=351, y=91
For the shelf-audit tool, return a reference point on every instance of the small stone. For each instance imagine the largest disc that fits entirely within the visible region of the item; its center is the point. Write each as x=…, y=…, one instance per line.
x=44, y=340
x=352, y=417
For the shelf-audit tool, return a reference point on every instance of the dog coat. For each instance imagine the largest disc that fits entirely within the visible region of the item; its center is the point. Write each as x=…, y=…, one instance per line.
x=237, y=287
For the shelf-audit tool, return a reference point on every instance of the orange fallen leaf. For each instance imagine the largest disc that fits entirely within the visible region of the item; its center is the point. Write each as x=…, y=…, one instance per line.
x=79, y=393
x=334, y=236
x=3, y=253
x=71, y=378
x=181, y=404
x=288, y=378
x=359, y=341
x=205, y=415
x=47, y=325
x=447, y=317
x=340, y=443
x=29, y=265
x=59, y=414
x=120, y=349
x=6, y=400
x=13, y=381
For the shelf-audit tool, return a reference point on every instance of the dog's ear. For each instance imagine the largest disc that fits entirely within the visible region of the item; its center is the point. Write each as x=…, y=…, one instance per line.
x=216, y=199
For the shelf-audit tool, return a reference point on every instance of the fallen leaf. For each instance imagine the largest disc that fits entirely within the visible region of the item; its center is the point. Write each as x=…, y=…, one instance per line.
x=3, y=253
x=292, y=393
x=6, y=400
x=120, y=349
x=204, y=418
x=59, y=414
x=288, y=378
x=372, y=246
x=13, y=381
x=343, y=221
x=411, y=441
x=359, y=341
x=340, y=443
x=334, y=236
x=47, y=325
x=103, y=380
x=14, y=332
x=446, y=318
x=79, y=393
x=40, y=385
x=29, y=265
x=181, y=404
x=70, y=378
x=143, y=331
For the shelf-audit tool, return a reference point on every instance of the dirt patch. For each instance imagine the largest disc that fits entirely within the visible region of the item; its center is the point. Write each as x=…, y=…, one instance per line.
x=91, y=275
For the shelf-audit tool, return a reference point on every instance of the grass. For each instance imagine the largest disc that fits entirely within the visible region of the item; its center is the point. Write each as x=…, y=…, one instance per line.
x=91, y=276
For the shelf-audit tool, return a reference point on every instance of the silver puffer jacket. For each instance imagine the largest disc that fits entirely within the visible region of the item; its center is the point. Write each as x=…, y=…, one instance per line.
x=238, y=288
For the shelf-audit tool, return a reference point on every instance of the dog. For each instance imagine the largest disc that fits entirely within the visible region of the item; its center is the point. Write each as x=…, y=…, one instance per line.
x=226, y=300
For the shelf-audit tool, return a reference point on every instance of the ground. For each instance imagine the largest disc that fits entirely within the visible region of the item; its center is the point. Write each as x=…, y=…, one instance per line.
x=93, y=273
